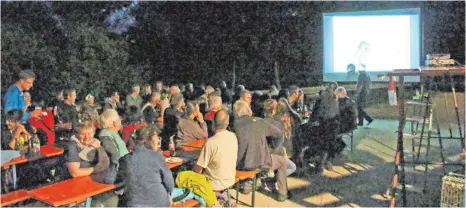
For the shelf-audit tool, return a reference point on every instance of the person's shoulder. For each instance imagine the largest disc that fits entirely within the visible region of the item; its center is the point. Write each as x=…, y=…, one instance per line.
x=13, y=89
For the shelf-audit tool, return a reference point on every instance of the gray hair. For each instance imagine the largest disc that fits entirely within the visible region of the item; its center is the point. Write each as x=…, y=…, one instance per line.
x=340, y=90
x=241, y=108
x=108, y=117
x=27, y=74
x=221, y=119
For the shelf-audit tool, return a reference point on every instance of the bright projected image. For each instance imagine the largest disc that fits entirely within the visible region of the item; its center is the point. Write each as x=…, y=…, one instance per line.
x=374, y=41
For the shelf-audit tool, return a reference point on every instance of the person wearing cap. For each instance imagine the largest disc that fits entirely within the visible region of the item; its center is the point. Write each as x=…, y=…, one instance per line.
x=90, y=109
x=43, y=121
x=14, y=97
x=172, y=116
x=147, y=182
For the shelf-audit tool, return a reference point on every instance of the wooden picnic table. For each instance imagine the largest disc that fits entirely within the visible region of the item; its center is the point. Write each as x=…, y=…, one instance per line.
x=71, y=191
x=45, y=152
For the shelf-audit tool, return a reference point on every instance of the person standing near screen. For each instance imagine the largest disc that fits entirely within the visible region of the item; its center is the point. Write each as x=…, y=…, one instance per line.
x=363, y=89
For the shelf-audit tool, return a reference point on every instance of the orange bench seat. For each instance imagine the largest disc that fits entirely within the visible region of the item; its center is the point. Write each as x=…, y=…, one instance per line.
x=187, y=203
x=14, y=197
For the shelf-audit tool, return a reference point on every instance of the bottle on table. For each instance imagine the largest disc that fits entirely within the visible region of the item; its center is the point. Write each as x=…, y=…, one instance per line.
x=35, y=144
x=171, y=147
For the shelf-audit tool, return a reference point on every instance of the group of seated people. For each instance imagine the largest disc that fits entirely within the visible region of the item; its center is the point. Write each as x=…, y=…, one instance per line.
x=122, y=143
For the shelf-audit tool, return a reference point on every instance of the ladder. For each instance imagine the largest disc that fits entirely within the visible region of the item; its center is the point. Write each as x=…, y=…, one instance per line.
x=427, y=117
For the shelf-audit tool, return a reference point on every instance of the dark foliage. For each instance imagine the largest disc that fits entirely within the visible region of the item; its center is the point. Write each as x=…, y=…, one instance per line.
x=66, y=43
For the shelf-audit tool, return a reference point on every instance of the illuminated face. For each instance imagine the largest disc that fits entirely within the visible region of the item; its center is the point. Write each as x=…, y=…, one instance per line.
x=72, y=97
x=27, y=97
x=90, y=100
x=11, y=124
x=159, y=86
x=155, y=142
x=86, y=136
x=116, y=97
x=247, y=98
x=27, y=84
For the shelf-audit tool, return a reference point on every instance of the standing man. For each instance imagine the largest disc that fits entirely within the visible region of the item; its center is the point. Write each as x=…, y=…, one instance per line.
x=363, y=89
x=14, y=97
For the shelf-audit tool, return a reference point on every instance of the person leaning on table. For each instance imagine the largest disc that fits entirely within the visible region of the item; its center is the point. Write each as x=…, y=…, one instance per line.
x=85, y=157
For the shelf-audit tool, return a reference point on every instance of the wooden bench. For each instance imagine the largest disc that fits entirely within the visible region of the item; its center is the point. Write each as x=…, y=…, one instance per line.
x=187, y=203
x=243, y=175
x=14, y=197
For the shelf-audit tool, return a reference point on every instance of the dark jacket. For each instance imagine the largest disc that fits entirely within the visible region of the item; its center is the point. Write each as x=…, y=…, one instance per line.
x=276, y=144
x=171, y=118
x=364, y=84
x=147, y=178
x=348, y=114
x=66, y=114
x=253, y=150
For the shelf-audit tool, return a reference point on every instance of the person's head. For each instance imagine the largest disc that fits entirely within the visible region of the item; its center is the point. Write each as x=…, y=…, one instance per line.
x=154, y=98
x=148, y=136
x=13, y=118
x=351, y=68
x=246, y=96
x=69, y=95
x=190, y=87
x=174, y=89
x=135, y=89
x=115, y=96
x=282, y=107
x=223, y=84
x=221, y=120
x=27, y=97
x=332, y=86
x=340, y=92
x=192, y=109
x=294, y=92
x=159, y=86
x=209, y=89
x=110, y=120
x=147, y=89
x=284, y=93
x=90, y=99
x=85, y=132
x=26, y=79
x=35, y=109
x=301, y=95
x=177, y=101
x=215, y=102
x=60, y=95
x=270, y=107
x=241, y=108
x=239, y=89
x=182, y=88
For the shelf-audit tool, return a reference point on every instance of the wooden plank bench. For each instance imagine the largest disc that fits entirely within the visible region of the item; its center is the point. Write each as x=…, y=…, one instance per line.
x=187, y=203
x=14, y=197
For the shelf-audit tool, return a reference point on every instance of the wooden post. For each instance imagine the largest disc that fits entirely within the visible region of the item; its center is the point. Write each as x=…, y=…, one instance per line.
x=277, y=79
x=234, y=75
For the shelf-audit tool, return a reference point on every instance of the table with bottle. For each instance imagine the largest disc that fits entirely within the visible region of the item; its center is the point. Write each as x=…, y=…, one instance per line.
x=31, y=150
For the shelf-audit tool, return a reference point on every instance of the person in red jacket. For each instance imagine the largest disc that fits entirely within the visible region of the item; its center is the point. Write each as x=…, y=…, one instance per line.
x=43, y=120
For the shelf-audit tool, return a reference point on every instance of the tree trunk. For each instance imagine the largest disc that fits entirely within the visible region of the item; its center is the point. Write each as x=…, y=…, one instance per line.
x=277, y=79
x=234, y=75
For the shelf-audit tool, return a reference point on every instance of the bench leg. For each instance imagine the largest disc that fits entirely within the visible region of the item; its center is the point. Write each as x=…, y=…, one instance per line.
x=228, y=197
x=237, y=192
x=254, y=184
x=88, y=202
x=14, y=176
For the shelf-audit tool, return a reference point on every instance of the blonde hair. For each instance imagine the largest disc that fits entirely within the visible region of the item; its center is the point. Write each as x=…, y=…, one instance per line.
x=241, y=108
x=108, y=117
x=340, y=90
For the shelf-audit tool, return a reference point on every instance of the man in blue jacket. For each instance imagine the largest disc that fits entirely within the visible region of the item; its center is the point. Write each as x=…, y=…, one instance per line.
x=14, y=97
